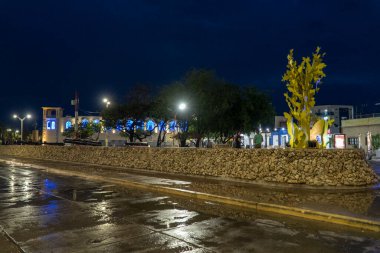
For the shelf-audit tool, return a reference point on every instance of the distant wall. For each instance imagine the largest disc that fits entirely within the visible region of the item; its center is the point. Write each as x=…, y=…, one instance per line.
x=296, y=166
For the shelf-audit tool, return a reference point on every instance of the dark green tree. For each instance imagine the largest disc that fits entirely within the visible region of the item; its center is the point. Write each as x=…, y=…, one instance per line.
x=193, y=90
x=215, y=108
x=257, y=109
x=202, y=86
x=224, y=112
x=165, y=107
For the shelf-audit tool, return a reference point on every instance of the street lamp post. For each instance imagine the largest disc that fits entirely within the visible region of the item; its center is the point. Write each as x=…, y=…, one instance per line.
x=107, y=102
x=267, y=136
x=28, y=116
x=182, y=107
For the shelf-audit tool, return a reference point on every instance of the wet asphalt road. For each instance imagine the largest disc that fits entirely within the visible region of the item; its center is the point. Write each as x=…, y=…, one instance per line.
x=48, y=213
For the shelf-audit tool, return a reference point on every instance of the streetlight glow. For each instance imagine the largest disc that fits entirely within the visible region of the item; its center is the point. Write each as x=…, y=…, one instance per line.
x=28, y=116
x=107, y=102
x=182, y=106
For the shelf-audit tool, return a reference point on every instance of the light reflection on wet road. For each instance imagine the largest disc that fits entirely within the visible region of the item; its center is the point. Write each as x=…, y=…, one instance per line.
x=49, y=213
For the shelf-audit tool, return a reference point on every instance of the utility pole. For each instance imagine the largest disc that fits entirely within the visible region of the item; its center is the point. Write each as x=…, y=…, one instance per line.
x=75, y=103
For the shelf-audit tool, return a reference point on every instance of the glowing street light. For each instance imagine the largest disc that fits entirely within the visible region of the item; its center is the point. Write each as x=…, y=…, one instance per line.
x=182, y=106
x=28, y=116
x=107, y=102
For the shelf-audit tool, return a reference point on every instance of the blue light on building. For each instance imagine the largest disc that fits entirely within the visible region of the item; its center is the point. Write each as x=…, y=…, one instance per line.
x=68, y=124
x=150, y=125
x=172, y=125
x=279, y=137
x=50, y=124
x=84, y=122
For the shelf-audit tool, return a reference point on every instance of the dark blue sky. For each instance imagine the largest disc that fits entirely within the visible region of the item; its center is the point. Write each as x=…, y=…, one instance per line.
x=50, y=48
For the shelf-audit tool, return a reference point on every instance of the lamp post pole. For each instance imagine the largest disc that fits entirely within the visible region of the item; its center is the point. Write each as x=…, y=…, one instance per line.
x=107, y=102
x=28, y=116
x=182, y=107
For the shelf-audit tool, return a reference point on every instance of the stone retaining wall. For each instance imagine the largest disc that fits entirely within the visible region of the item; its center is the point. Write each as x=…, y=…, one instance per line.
x=312, y=166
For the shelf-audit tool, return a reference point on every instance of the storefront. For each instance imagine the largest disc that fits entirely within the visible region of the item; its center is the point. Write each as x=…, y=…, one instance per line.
x=278, y=138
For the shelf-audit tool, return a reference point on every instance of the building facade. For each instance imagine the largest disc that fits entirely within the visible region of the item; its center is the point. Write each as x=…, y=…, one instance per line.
x=357, y=131
x=54, y=125
x=335, y=112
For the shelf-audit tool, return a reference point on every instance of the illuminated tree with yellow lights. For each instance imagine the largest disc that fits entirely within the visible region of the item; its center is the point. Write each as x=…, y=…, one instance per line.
x=302, y=81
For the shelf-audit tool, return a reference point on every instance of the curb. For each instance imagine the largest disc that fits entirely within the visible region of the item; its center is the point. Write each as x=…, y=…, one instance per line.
x=358, y=223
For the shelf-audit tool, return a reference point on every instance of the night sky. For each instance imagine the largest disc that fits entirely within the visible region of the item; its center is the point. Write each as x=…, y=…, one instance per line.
x=48, y=49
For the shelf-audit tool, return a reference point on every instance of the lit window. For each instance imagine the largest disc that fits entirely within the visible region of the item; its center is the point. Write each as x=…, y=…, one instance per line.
x=353, y=141
x=50, y=124
x=68, y=124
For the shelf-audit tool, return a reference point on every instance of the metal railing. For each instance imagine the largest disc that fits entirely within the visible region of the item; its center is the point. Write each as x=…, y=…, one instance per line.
x=371, y=115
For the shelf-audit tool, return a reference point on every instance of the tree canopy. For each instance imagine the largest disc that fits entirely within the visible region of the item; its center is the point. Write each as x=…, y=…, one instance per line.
x=215, y=108
x=129, y=117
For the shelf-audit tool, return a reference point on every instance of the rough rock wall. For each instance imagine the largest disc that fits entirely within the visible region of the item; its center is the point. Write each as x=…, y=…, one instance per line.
x=296, y=166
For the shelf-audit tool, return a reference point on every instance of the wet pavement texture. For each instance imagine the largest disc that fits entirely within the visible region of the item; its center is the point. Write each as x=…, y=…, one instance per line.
x=45, y=212
x=356, y=202
x=6, y=245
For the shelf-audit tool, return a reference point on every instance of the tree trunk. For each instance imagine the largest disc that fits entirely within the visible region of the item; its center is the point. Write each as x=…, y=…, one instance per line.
x=159, y=138
x=131, y=137
x=197, y=143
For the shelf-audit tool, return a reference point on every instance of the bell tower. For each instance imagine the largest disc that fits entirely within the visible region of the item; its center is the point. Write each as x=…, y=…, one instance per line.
x=51, y=120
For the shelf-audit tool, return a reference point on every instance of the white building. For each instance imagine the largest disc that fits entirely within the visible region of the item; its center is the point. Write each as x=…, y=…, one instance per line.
x=358, y=130
x=54, y=124
x=336, y=112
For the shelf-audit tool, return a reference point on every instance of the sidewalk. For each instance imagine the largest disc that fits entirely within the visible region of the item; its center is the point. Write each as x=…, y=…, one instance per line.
x=359, y=208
